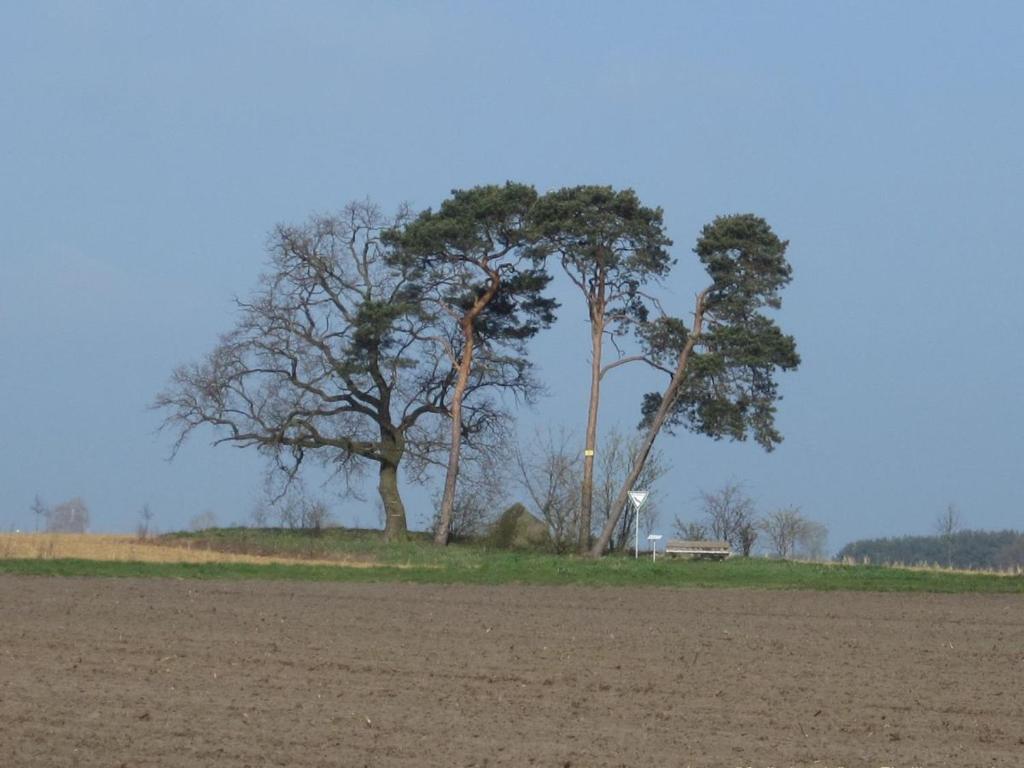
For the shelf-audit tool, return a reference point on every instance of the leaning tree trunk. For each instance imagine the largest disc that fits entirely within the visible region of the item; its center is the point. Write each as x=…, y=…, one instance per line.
x=667, y=401
x=590, y=448
x=444, y=522
x=468, y=324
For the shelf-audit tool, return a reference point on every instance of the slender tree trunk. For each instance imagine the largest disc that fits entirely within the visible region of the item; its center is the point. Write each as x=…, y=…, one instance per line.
x=590, y=448
x=468, y=324
x=448, y=499
x=667, y=401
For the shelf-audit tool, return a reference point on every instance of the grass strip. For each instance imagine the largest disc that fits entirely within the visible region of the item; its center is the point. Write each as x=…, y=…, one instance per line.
x=510, y=568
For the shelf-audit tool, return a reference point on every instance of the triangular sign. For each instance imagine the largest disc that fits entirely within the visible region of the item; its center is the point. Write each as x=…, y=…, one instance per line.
x=638, y=498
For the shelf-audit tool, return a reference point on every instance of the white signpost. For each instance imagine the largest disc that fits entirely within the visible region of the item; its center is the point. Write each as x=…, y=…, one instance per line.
x=654, y=538
x=638, y=498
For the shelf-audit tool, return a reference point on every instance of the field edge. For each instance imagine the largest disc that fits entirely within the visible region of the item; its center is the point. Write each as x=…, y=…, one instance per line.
x=548, y=570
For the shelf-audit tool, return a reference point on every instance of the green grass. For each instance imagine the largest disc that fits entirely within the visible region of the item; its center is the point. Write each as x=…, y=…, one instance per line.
x=419, y=562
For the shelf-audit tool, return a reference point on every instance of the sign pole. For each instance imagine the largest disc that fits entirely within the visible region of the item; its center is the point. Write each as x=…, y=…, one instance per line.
x=637, y=498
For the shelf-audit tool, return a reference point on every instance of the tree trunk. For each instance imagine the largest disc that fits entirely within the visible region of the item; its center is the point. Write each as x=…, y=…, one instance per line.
x=395, y=524
x=448, y=499
x=468, y=325
x=667, y=400
x=590, y=447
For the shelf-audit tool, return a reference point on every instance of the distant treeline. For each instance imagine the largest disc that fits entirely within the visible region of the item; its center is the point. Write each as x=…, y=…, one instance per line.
x=964, y=549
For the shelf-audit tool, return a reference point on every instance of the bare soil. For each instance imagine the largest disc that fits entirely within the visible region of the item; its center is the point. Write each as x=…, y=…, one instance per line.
x=133, y=673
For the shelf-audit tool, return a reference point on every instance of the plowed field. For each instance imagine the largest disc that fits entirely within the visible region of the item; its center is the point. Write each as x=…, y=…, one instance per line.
x=97, y=672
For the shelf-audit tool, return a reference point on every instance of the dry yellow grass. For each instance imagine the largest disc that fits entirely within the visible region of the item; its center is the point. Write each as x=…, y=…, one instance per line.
x=88, y=546
x=932, y=567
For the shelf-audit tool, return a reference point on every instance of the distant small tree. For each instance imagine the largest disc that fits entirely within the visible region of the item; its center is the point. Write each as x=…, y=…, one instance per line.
x=731, y=516
x=471, y=515
x=784, y=528
x=613, y=465
x=792, y=534
x=145, y=521
x=691, y=531
x=289, y=510
x=747, y=534
x=298, y=511
x=813, y=541
x=69, y=517
x=947, y=525
x=205, y=519
x=259, y=514
x=546, y=470
x=39, y=509
x=316, y=516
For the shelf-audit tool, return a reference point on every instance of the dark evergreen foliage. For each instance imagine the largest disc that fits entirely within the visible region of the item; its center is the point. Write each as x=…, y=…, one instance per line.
x=730, y=388
x=478, y=267
x=609, y=244
x=969, y=549
x=478, y=234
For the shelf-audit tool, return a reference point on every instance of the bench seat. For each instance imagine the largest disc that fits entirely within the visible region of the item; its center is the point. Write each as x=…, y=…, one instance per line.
x=716, y=550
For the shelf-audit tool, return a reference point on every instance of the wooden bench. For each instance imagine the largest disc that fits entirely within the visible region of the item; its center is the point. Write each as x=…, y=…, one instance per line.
x=712, y=550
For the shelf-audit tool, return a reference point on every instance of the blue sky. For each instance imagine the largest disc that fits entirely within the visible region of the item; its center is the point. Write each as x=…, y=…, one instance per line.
x=146, y=149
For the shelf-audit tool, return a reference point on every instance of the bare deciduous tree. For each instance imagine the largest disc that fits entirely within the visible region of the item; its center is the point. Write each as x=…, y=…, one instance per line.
x=731, y=516
x=813, y=541
x=691, y=531
x=471, y=515
x=289, y=510
x=317, y=516
x=477, y=502
x=784, y=528
x=548, y=472
x=39, y=509
x=792, y=534
x=259, y=514
x=947, y=525
x=145, y=522
x=296, y=509
x=483, y=485
x=748, y=534
x=333, y=357
x=616, y=459
x=71, y=516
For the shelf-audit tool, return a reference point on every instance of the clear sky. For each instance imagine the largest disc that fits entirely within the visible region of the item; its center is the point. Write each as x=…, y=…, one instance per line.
x=146, y=149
